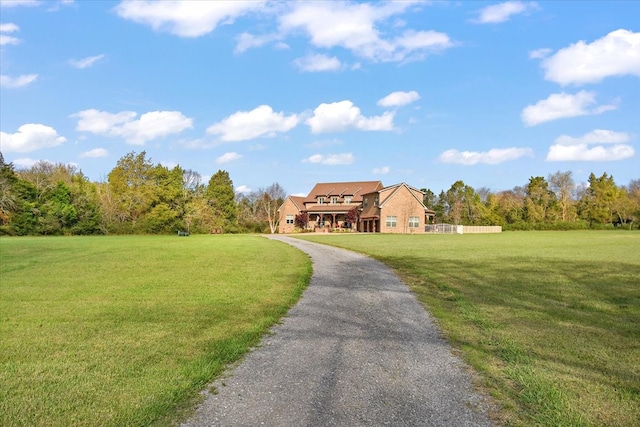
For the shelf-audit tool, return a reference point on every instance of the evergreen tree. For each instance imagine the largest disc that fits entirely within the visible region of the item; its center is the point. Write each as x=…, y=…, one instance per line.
x=440, y=208
x=430, y=199
x=598, y=201
x=221, y=198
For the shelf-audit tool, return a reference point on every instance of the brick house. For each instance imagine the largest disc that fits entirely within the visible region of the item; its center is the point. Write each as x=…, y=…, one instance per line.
x=365, y=206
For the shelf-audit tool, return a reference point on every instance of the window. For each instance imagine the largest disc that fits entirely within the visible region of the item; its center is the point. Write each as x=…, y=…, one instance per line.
x=414, y=222
x=321, y=200
x=365, y=202
x=375, y=202
x=289, y=219
x=392, y=221
x=334, y=200
x=347, y=199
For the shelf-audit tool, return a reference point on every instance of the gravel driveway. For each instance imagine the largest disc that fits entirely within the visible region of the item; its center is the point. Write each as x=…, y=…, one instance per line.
x=357, y=350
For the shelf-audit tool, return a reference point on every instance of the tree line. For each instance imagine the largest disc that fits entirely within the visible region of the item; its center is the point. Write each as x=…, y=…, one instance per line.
x=552, y=203
x=140, y=197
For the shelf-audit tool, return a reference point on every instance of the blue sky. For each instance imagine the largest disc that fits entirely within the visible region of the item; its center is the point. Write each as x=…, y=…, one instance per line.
x=426, y=93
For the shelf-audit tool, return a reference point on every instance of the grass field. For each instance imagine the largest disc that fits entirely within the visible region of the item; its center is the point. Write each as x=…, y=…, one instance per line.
x=125, y=331
x=550, y=320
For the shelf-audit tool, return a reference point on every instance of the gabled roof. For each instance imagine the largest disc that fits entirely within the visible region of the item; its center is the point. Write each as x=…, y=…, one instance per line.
x=341, y=189
x=393, y=189
x=298, y=202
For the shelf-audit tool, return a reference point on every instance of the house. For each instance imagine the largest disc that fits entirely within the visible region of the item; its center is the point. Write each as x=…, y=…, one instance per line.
x=365, y=206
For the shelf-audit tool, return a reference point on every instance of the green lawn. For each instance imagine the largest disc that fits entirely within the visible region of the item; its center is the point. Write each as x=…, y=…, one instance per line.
x=117, y=331
x=550, y=320
x=125, y=331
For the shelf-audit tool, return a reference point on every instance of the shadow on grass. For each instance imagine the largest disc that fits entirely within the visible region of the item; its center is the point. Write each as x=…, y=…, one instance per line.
x=560, y=339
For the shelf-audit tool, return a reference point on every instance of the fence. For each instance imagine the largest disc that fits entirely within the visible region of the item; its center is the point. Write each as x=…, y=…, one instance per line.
x=461, y=229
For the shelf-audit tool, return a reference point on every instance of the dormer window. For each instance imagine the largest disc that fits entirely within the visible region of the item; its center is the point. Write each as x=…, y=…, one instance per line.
x=321, y=200
x=347, y=199
x=334, y=200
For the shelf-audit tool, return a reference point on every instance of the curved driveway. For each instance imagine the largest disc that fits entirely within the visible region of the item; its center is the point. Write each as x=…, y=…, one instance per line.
x=357, y=350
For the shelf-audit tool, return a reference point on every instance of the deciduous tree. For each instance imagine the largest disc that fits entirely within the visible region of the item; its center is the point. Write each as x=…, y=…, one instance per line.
x=131, y=190
x=462, y=204
x=562, y=184
x=8, y=198
x=301, y=220
x=270, y=199
x=539, y=200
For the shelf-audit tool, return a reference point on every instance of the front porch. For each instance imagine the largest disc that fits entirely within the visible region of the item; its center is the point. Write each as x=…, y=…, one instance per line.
x=329, y=221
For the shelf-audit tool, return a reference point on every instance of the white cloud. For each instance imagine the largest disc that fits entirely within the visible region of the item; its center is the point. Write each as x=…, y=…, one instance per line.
x=155, y=124
x=502, y=12
x=247, y=41
x=582, y=152
x=95, y=153
x=540, y=53
x=616, y=54
x=25, y=162
x=4, y=40
x=594, y=137
x=355, y=27
x=185, y=18
x=415, y=44
x=381, y=171
x=57, y=5
x=30, y=137
x=228, y=158
x=343, y=115
x=568, y=148
x=149, y=126
x=15, y=3
x=243, y=189
x=397, y=99
x=102, y=122
x=8, y=28
x=491, y=157
x=561, y=105
x=85, y=62
x=259, y=122
x=317, y=62
x=331, y=159
x=16, y=82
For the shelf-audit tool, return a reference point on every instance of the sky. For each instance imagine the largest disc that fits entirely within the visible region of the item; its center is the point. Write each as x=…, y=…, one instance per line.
x=294, y=93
